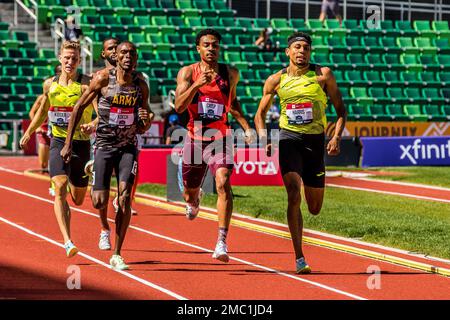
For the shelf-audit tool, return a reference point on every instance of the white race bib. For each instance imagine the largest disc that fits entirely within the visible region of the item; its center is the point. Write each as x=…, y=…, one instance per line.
x=299, y=113
x=209, y=108
x=59, y=116
x=122, y=117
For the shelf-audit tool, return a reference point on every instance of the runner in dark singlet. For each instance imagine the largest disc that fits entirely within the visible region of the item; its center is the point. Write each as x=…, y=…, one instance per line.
x=123, y=112
x=208, y=90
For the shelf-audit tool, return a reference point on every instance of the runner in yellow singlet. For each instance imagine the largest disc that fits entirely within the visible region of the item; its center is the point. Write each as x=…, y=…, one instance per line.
x=60, y=95
x=302, y=89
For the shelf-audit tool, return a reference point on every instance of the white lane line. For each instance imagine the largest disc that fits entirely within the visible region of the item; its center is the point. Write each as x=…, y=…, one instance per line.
x=126, y=274
x=390, y=193
x=259, y=220
x=202, y=249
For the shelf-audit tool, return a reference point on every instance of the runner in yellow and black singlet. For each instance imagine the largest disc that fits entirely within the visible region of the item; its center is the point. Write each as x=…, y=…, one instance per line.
x=60, y=95
x=303, y=89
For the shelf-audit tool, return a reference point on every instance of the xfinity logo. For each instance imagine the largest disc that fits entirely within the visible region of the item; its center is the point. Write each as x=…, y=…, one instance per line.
x=418, y=151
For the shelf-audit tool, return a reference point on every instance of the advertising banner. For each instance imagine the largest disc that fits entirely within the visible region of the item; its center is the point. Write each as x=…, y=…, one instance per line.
x=405, y=151
x=392, y=129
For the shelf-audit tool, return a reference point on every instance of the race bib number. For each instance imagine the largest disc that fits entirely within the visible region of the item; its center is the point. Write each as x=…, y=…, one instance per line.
x=299, y=113
x=59, y=116
x=122, y=117
x=209, y=108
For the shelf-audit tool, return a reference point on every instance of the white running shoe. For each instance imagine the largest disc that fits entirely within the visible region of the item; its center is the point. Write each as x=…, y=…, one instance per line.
x=118, y=263
x=104, y=243
x=192, y=210
x=221, y=252
x=51, y=191
x=133, y=212
x=88, y=168
x=70, y=248
x=116, y=204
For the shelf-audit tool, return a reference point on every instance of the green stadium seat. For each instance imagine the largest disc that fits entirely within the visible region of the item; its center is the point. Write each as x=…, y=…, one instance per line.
x=397, y=95
x=371, y=44
x=336, y=44
x=360, y=112
x=339, y=61
x=373, y=78
x=411, y=62
x=379, y=113
x=396, y=112
x=335, y=28
x=354, y=78
x=425, y=45
x=261, y=23
x=423, y=28
x=375, y=61
x=429, y=79
x=320, y=58
x=390, y=45
x=414, y=95
x=357, y=60
x=245, y=23
x=392, y=61
x=446, y=111
x=433, y=95
x=442, y=45
x=441, y=28
x=429, y=62
x=407, y=46
x=410, y=78
x=388, y=29
x=317, y=28
x=444, y=78
x=195, y=23
x=353, y=27
x=360, y=95
x=414, y=112
x=319, y=45
x=434, y=112
x=444, y=60
x=405, y=28
x=282, y=26
x=299, y=25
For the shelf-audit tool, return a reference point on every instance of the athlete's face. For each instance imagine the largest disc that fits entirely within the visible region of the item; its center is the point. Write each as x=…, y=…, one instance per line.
x=109, y=51
x=299, y=53
x=209, y=48
x=127, y=56
x=70, y=60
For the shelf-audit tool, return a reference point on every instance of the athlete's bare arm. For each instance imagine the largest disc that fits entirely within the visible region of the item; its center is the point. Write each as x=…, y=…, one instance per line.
x=186, y=90
x=40, y=115
x=270, y=88
x=100, y=80
x=146, y=115
x=335, y=95
x=35, y=107
x=88, y=128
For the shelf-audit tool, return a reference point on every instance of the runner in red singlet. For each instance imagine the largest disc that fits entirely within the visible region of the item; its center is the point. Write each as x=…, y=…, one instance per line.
x=208, y=90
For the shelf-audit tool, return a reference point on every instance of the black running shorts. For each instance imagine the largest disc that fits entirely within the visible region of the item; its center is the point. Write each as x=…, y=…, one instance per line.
x=122, y=160
x=75, y=168
x=304, y=154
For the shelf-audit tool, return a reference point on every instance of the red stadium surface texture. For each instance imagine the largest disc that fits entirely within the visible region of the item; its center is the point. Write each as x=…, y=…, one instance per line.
x=170, y=257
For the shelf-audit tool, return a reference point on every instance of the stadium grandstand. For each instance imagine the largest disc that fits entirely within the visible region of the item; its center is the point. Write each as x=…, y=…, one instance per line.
x=395, y=70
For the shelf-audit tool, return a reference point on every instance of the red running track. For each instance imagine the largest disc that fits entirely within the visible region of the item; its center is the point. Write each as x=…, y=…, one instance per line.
x=170, y=258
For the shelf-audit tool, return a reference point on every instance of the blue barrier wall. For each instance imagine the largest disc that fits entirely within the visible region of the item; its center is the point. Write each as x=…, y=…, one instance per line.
x=405, y=151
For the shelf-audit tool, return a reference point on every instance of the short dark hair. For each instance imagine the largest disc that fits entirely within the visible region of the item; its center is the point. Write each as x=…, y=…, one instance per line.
x=206, y=32
x=125, y=42
x=110, y=38
x=299, y=35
